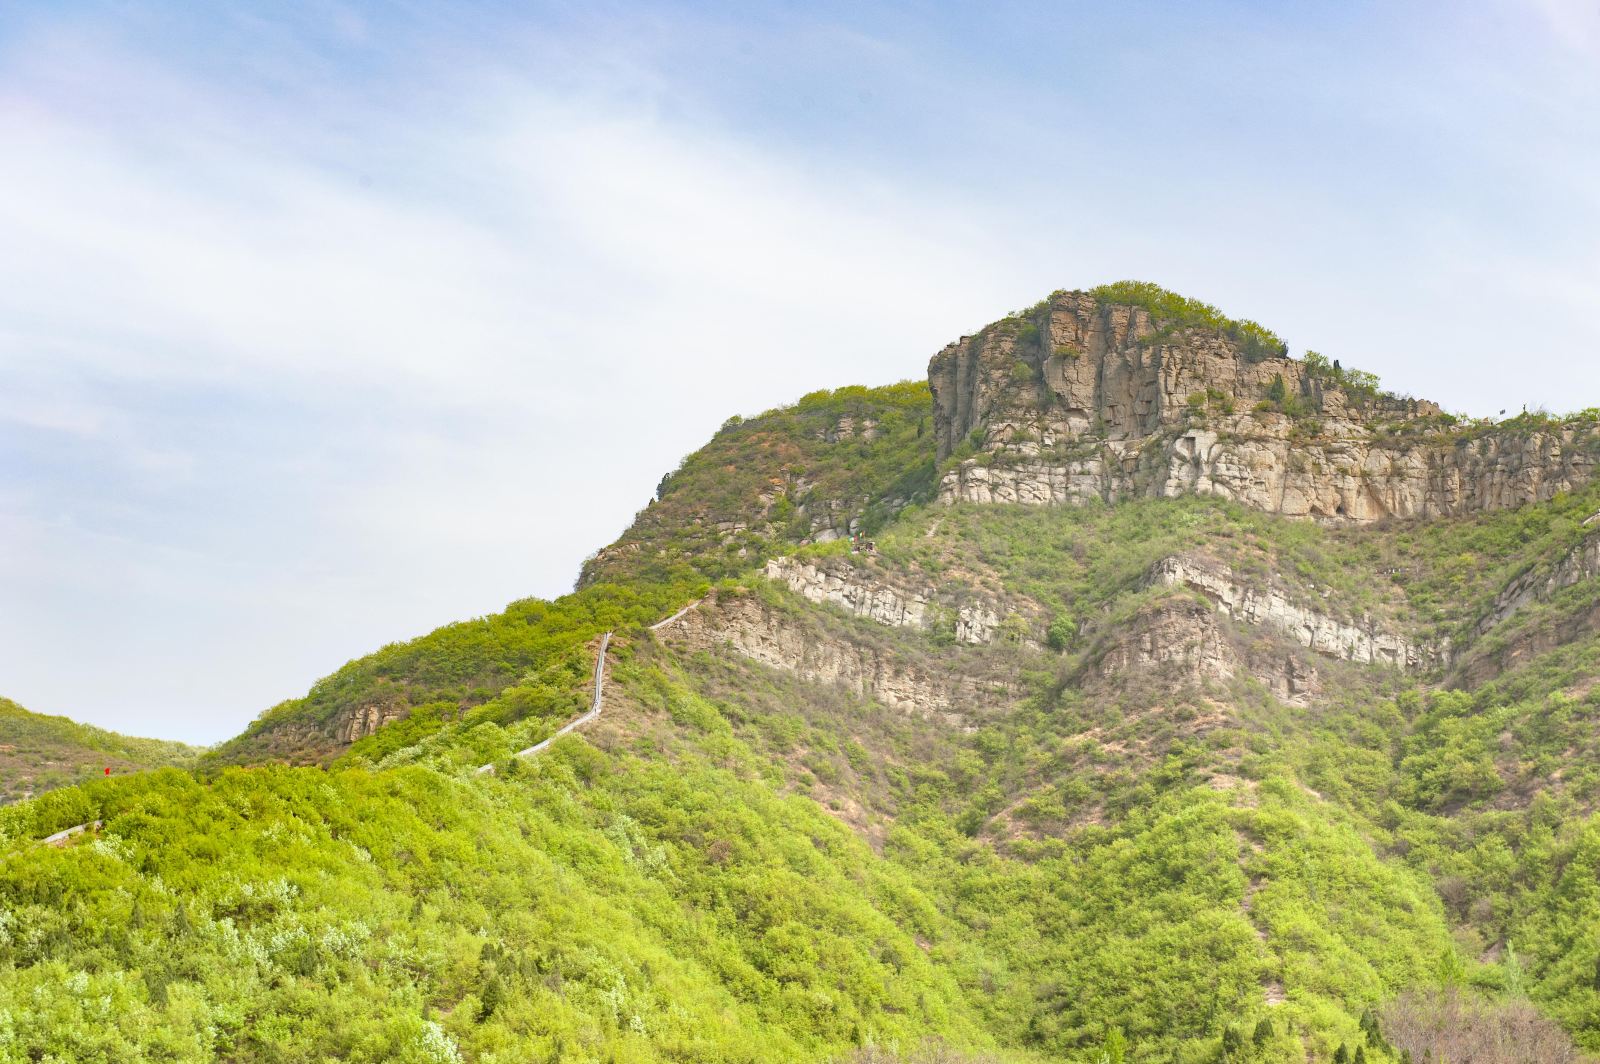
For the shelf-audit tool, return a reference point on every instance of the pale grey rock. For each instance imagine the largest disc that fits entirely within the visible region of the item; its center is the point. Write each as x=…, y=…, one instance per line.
x=364, y=720
x=1539, y=585
x=1183, y=640
x=1272, y=607
x=746, y=626
x=1099, y=408
x=840, y=584
x=1175, y=635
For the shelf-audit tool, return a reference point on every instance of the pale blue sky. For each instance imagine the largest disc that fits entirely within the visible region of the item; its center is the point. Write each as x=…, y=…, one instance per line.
x=324, y=324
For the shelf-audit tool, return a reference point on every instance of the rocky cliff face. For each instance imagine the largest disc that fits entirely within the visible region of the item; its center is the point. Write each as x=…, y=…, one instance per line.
x=840, y=584
x=1177, y=635
x=358, y=723
x=1180, y=642
x=1085, y=400
x=1365, y=643
x=747, y=626
x=1538, y=585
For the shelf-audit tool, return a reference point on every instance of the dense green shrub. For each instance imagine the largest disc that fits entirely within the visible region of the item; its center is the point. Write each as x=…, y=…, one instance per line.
x=1257, y=343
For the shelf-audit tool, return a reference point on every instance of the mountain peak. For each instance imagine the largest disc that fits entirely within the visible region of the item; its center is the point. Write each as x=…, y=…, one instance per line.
x=1129, y=390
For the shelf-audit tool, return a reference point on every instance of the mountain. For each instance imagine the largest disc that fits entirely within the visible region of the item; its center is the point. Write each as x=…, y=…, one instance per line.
x=1128, y=691
x=38, y=753
x=1131, y=392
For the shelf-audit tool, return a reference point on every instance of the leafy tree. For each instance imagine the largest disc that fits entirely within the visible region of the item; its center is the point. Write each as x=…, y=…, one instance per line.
x=493, y=996
x=156, y=987
x=1114, y=1050
x=1062, y=631
x=1370, y=1027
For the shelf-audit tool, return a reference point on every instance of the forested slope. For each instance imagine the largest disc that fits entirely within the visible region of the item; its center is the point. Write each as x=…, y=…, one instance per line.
x=1155, y=775
x=39, y=753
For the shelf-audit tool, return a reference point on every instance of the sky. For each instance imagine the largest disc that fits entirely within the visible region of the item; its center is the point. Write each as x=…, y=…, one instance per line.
x=324, y=324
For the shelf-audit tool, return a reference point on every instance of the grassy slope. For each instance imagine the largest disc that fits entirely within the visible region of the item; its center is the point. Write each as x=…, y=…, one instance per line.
x=849, y=454
x=518, y=667
x=1487, y=796
x=1170, y=923
x=39, y=753
x=626, y=907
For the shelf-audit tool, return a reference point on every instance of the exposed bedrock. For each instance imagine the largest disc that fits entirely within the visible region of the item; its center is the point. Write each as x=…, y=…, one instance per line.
x=1085, y=400
x=751, y=628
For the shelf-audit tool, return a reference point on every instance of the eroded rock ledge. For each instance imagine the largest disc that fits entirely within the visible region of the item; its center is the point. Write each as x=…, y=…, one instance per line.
x=844, y=586
x=751, y=628
x=1366, y=643
x=1184, y=640
x=1580, y=564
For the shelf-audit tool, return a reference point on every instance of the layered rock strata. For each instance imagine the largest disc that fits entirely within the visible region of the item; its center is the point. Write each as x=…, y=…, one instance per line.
x=1083, y=400
x=750, y=628
x=1537, y=585
x=889, y=604
x=358, y=723
x=1367, y=643
x=1186, y=640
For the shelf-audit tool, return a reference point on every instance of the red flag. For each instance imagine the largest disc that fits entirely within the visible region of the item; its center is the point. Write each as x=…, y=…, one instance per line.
x=108, y=770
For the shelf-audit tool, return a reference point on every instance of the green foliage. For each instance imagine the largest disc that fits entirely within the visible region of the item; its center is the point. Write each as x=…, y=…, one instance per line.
x=608, y=904
x=1210, y=400
x=492, y=998
x=472, y=678
x=1062, y=631
x=38, y=752
x=737, y=863
x=1356, y=383
x=853, y=453
x=1281, y=400
x=1256, y=342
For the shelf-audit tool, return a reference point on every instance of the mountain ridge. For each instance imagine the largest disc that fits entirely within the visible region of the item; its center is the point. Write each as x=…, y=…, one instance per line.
x=1142, y=774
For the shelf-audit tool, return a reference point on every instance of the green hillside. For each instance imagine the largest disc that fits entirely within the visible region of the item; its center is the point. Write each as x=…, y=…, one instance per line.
x=1151, y=779
x=39, y=753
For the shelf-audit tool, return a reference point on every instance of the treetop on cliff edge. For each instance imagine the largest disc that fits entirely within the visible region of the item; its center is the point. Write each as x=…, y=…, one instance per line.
x=1169, y=307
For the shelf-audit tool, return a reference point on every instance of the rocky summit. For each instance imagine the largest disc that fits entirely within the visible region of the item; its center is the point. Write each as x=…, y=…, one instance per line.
x=1127, y=691
x=1101, y=395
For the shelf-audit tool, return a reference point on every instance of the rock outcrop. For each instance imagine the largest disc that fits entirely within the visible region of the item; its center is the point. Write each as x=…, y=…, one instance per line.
x=358, y=723
x=1184, y=641
x=1086, y=400
x=1539, y=585
x=1177, y=635
x=754, y=630
x=1366, y=643
x=842, y=585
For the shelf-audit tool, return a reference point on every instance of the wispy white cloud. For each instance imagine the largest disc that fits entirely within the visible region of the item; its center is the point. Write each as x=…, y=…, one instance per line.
x=295, y=360
x=1575, y=24
x=406, y=382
